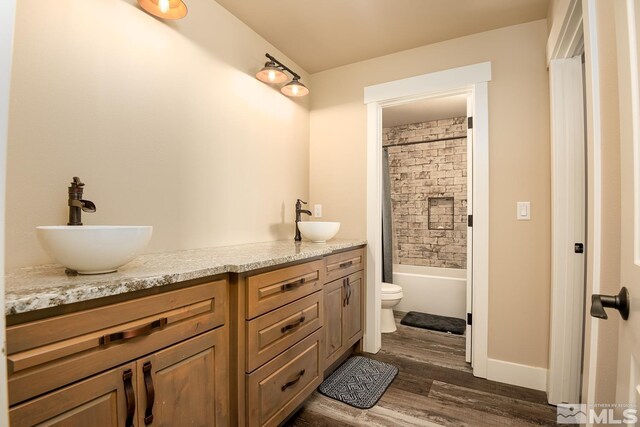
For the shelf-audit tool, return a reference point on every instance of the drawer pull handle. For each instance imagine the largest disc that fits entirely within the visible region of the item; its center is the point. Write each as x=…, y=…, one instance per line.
x=293, y=325
x=292, y=285
x=151, y=393
x=105, y=340
x=129, y=396
x=292, y=382
x=346, y=264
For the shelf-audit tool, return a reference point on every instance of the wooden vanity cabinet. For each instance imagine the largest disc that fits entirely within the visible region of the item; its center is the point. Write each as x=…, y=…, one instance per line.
x=99, y=401
x=166, y=360
x=182, y=385
x=343, y=304
x=343, y=316
x=279, y=316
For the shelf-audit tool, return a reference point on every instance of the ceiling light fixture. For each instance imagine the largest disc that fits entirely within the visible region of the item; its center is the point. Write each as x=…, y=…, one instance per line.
x=165, y=9
x=273, y=72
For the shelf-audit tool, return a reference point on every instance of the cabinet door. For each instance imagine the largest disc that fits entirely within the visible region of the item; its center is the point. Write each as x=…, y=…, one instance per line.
x=105, y=400
x=334, y=299
x=352, y=310
x=186, y=384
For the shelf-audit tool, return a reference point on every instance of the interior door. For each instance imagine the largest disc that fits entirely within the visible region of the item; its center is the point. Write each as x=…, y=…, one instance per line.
x=612, y=346
x=627, y=15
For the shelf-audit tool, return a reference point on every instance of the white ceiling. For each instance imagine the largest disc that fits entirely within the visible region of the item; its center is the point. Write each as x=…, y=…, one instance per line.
x=425, y=111
x=319, y=35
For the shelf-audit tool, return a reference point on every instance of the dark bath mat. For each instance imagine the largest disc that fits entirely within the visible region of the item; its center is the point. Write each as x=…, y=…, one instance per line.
x=434, y=322
x=359, y=382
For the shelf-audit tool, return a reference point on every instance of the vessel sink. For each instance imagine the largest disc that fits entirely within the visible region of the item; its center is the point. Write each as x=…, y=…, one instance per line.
x=94, y=249
x=318, y=231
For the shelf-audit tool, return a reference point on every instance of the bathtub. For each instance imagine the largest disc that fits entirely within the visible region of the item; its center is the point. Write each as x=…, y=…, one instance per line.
x=433, y=290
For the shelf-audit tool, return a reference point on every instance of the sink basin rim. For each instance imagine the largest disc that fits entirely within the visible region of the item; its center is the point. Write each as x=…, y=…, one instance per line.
x=319, y=231
x=94, y=249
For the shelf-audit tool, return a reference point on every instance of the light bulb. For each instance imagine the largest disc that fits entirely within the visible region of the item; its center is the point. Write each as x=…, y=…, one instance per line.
x=294, y=90
x=272, y=75
x=163, y=5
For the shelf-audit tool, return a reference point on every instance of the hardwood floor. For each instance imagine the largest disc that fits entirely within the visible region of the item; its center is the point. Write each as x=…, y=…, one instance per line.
x=435, y=387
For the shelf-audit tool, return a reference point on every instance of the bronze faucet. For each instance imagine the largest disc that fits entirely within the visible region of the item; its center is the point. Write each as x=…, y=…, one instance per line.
x=77, y=204
x=299, y=211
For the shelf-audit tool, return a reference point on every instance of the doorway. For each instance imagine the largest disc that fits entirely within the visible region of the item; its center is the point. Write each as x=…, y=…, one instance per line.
x=426, y=210
x=472, y=82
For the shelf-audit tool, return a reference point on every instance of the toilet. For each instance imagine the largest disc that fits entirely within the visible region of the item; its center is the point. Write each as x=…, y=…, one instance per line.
x=391, y=296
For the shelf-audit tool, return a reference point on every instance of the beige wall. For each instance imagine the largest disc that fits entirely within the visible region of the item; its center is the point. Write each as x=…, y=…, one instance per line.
x=556, y=10
x=519, y=167
x=164, y=122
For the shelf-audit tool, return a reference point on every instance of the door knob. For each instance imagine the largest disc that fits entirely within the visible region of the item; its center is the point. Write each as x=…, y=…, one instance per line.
x=620, y=302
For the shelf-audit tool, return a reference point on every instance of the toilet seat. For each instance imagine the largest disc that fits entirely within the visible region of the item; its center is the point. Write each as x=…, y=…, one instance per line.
x=390, y=288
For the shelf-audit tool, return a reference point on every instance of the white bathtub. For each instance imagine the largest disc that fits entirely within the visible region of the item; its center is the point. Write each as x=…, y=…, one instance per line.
x=433, y=290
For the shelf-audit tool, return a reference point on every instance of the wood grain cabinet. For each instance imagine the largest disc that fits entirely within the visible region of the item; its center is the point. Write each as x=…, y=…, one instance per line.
x=153, y=361
x=280, y=315
x=343, y=316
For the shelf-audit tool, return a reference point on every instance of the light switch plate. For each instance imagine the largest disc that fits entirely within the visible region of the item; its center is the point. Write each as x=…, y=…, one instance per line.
x=317, y=211
x=523, y=212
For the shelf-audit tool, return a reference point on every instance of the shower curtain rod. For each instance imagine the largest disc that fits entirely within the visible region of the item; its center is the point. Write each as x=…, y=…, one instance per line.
x=423, y=142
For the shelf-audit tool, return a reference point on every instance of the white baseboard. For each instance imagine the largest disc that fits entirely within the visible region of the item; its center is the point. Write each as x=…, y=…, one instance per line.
x=516, y=374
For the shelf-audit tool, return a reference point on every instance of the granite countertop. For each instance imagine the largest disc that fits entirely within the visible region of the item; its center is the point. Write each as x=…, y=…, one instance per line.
x=45, y=286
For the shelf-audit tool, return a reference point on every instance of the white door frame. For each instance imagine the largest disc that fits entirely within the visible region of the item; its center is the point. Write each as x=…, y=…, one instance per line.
x=568, y=192
x=472, y=79
x=468, y=350
x=568, y=196
x=7, y=19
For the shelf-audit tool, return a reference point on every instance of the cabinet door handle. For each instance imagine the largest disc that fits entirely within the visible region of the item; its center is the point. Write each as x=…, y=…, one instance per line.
x=105, y=340
x=293, y=325
x=344, y=287
x=348, y=291
x=346, y=264
x=292, y=382
x=292, y=285
x=151, y=393
x=130, y=397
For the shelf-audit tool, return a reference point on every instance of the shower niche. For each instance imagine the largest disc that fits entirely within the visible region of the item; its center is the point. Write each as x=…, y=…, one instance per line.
x=440, y=213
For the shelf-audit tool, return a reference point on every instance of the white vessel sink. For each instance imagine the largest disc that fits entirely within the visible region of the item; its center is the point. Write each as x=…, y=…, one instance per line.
x=317, y=231
x=94, y=249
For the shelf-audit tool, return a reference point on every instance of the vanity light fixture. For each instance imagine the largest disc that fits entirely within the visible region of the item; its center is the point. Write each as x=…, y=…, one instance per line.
x=274, y=72
x=165, y=9
x=294, y=88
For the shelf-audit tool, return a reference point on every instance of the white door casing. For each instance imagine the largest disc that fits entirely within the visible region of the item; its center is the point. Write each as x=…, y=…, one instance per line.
x=7, y=19
x=472, y=80
x=568, y=228
x=468, y=356
x=568, y=191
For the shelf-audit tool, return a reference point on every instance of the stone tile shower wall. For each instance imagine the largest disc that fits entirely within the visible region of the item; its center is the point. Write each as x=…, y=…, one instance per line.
x=430, y=173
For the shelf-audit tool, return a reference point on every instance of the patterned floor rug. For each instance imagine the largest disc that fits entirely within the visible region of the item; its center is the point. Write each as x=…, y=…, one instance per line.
x=359, y=382
x=434, y=322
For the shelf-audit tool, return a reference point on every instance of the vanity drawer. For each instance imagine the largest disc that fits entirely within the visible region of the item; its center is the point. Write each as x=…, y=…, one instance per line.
x=91, y=341
x=343, y=263
x=278, y=387
x=268, y=291
x=274, y=332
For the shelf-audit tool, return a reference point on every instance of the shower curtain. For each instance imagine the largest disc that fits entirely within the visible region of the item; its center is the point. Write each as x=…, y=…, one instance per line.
x=387, y=229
